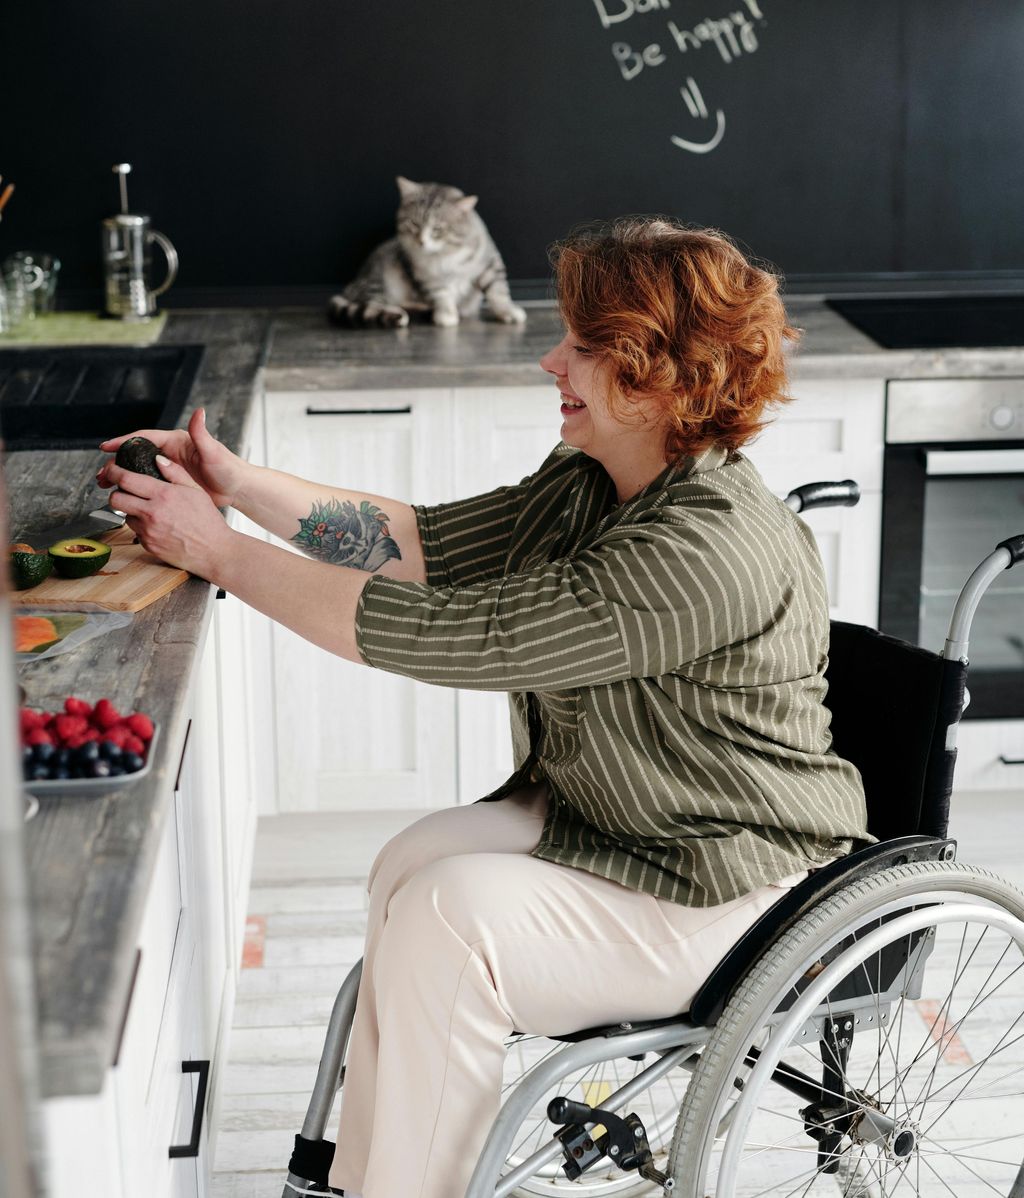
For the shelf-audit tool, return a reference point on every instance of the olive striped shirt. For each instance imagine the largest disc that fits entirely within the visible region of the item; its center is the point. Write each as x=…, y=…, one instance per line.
x=664, y=659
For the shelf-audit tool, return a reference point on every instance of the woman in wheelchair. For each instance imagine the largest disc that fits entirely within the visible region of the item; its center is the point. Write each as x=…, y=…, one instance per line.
x=659, y=620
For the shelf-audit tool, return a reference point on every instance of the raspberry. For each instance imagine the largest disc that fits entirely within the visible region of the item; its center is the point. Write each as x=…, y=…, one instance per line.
x=141, y=725
x=89, y=734
x=39, y=736
x=132, y=744
x=74, y=742
x=48, y=718
x=29, y=719
x=118, y=734
x=105, y=714
x=75, y=706
x=67, y=726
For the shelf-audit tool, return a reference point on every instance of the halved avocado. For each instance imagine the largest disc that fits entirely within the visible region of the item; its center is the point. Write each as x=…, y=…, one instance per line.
x=78, y=557
x=29, y=568
x=139, y=454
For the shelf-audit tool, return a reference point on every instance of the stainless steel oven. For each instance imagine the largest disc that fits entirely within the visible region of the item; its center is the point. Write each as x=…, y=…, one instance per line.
x=952, y=489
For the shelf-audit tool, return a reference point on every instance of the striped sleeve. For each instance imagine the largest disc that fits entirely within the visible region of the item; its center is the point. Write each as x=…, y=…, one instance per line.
x=468, y=541
x=640, y=602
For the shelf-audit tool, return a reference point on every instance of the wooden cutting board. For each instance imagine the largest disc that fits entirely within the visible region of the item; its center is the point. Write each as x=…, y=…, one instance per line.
x=131, y=579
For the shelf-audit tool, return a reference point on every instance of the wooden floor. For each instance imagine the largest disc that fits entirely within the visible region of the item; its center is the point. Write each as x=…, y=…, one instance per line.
x=307, y=919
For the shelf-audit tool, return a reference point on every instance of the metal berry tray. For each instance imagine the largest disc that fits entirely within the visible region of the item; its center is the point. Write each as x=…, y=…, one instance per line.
x=45, y=787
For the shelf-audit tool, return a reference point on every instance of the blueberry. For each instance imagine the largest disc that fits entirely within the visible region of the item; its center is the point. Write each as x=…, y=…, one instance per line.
x=131, y=762
x=43, y=751
x=88, y=753
x=99, y=768
x=61, y=772
x=62, y=757
x=38, y=772
x=110, y=750
x=117, y=770
x=26, y=753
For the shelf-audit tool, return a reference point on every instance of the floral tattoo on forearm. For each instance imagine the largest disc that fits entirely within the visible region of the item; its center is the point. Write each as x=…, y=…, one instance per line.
x=344, y=535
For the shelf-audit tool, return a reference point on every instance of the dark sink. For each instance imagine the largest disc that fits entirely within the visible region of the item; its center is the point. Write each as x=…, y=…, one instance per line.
x=937, y=322
x=73, y=397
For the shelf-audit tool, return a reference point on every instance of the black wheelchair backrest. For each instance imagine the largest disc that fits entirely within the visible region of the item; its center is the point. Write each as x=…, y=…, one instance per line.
x=892, y=704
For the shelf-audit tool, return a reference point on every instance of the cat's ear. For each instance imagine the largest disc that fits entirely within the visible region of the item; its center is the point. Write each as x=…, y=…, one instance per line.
x=467, y=203
x=406, y=186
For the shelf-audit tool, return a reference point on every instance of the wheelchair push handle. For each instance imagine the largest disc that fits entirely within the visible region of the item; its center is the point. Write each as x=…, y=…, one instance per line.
x=1004, y=557
x=823, y=494
x=1014, y=546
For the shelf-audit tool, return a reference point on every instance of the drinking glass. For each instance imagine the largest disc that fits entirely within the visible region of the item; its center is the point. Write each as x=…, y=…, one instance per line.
x=39, y=272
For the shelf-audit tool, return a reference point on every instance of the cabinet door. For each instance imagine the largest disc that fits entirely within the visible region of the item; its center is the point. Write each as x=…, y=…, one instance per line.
x=243, y=644
x=350, y=738
x=502, y=434
x=834, y=431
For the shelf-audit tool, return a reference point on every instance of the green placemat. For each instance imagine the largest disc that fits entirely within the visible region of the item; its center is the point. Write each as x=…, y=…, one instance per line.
x=84, y=328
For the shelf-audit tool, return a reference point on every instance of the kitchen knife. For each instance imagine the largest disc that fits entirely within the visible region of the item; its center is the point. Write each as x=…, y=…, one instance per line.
x=92, y=524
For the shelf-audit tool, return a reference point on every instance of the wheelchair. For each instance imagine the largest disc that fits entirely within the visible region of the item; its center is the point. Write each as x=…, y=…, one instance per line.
x=864, y=1037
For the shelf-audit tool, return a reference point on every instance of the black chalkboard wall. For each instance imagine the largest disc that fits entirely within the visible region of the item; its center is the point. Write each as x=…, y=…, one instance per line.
x=853, y=136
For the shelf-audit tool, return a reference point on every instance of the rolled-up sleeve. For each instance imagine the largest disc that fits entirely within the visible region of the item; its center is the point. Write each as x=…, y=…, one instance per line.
x=468, y=540
x=639, y=603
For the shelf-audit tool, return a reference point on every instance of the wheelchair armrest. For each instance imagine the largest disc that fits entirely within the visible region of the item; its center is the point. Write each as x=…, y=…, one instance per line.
x=710, y=999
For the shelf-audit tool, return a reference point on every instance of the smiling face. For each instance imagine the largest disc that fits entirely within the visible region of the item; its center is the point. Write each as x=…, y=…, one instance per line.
x=588, y=423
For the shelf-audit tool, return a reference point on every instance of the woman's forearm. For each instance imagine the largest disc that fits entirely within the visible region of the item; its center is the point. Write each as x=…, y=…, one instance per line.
x=315, y=602
x=345, y=528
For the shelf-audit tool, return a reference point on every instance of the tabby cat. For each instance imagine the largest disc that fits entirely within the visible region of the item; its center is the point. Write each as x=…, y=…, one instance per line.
x=442, y=261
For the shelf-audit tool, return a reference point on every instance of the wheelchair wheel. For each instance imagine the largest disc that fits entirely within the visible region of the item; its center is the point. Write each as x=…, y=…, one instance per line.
x=894, y=1057
x=658, y=1107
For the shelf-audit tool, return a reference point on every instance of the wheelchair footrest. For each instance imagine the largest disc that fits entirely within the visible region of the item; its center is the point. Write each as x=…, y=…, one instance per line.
x=311, y=1160
x=624, y=1141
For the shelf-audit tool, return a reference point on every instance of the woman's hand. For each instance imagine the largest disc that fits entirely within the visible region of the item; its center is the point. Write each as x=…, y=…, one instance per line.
x=175, y=521
x=208, y=462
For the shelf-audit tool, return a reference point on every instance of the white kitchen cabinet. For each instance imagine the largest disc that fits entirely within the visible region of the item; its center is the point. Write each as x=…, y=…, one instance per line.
x=188, y=954
x=990, y=755
x=350, y=738
x=834, y=430
x=501, y=435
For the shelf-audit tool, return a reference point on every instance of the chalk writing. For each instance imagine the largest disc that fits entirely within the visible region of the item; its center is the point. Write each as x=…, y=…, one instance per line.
x=695, y=103
x=733, y=35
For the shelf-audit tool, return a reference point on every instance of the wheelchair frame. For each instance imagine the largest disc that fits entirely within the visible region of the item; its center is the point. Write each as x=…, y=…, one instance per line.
x=677, y=1040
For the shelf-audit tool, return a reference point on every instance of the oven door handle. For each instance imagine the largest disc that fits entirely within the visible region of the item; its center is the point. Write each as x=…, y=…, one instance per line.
x=974, y=461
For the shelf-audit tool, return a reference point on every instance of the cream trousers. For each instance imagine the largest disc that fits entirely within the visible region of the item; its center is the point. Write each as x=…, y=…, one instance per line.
x=469, y=938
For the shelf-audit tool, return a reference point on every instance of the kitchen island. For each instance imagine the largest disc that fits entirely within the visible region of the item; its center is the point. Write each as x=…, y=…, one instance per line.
x=90, y=860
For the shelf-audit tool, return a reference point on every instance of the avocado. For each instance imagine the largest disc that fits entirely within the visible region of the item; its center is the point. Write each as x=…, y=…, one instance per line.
x=78, y=557
x=139, y=454
x=29, y=568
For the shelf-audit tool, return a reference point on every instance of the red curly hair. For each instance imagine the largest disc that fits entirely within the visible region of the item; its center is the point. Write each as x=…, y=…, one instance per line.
x=678, y=313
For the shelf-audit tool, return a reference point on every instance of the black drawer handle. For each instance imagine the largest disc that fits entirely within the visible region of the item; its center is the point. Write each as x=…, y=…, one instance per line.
x=359, y=411
x=1011, y=760
x=192, y=1147
x=221, y=593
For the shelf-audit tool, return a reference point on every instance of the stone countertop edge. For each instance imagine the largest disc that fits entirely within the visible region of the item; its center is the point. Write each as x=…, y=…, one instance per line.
x=308, y=354
x=90, y=860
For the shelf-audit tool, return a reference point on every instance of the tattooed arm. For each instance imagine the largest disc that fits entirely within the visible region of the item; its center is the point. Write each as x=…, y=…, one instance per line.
x=344, y=528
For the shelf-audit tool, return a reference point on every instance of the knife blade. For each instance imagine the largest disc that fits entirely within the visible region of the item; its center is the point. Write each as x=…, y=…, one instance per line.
x=92, y=524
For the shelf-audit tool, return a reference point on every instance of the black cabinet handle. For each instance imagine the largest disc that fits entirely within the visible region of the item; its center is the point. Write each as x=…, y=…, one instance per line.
x=192, y=1147
x=358, y=411
x=181, y=761
x=221, y=593
x=1011, y=760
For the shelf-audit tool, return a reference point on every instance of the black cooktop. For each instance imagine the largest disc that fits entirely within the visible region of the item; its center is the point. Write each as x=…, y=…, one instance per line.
x=73, y=397
x=937, y=322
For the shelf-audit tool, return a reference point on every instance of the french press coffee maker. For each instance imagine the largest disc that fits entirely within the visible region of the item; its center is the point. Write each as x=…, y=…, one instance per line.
x=126, y=259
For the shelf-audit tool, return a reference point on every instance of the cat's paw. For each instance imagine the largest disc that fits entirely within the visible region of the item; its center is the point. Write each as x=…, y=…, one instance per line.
x=445, y=318
x=512, y=314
